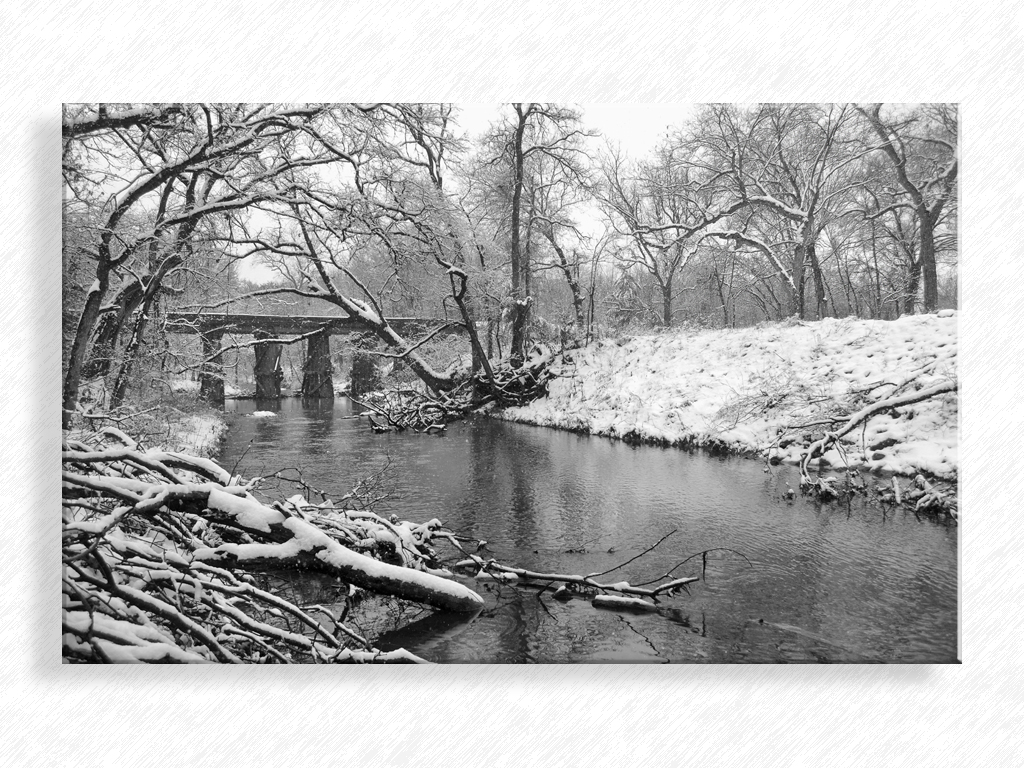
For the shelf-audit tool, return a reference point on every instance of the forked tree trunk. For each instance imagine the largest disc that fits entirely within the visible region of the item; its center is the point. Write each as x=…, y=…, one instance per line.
x=108, y=330
x=76, y=355
x=131, y=352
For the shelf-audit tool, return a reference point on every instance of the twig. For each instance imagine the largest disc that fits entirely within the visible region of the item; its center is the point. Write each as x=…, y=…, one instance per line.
x=621, y=565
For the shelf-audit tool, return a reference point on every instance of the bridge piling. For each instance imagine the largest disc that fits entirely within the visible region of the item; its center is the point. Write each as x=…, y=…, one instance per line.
x=268, y=373
x=317, y=369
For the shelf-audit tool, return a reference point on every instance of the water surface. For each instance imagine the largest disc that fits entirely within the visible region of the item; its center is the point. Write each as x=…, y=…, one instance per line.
x=838, y=582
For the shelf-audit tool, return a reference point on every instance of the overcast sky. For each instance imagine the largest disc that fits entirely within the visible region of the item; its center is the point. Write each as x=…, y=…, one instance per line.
x=637, y=127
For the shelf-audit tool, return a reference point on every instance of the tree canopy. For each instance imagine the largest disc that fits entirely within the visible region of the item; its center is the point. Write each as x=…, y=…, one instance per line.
x=536, y=230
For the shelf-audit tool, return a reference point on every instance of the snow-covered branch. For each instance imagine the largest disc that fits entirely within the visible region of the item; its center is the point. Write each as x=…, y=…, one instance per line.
x=158, y=547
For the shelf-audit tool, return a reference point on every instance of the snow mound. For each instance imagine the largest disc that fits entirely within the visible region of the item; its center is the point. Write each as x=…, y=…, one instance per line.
x=761, y=390
x=199, y=434
x=263, y=415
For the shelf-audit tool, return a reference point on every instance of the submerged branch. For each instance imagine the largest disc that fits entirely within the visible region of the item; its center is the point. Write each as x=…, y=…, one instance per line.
x=509, y=573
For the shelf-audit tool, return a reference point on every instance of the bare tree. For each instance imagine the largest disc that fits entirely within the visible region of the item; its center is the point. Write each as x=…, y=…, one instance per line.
x=557, y=189
x=922, y=149
x=534, y=135
x=392, y=204
x=665, y=208
x=787, y=169
x=168, y=169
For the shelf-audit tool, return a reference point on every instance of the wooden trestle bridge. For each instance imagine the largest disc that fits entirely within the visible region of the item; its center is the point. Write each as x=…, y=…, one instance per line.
x=270, y=331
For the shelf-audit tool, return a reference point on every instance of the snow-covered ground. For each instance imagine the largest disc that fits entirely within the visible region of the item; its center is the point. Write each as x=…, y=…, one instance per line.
x=198, y=434
x=184, y=385
x=761, y=389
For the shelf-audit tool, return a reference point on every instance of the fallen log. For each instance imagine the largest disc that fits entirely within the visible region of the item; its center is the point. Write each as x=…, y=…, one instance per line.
x=285, y=541
x=157, y=548
x=300, y=544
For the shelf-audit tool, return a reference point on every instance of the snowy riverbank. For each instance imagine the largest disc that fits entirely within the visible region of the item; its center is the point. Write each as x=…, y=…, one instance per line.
x=198, y=434
x=744, y=389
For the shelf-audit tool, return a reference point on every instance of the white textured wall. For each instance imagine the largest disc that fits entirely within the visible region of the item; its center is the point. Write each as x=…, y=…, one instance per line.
x=965, y=715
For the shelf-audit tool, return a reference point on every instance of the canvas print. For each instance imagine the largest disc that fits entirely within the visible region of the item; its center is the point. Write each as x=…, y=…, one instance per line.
x=509, y=383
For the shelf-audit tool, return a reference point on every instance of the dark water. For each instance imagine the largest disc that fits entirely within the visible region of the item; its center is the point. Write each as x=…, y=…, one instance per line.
x=843, y=582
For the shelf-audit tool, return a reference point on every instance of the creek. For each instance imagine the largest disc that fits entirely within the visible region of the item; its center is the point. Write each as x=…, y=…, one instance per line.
x=845, y=581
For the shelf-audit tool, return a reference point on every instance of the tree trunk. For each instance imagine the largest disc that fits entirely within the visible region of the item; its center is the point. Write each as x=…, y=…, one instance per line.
x=131, y=352
x=577, y=298
x=927, y=260
x=878, y=273
x=571, y=279
x=913, y=284
x=799, y=281
x=108, y=329
x=666, y=303
x=821, y=300
x=146, y=302
x=520, y=269
x=927, y=214
x=211, y=373
x=718, y=281
x=76, y=356
x=479, y=358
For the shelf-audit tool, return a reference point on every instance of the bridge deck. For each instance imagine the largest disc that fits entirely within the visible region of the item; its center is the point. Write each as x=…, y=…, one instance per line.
x=282, y=325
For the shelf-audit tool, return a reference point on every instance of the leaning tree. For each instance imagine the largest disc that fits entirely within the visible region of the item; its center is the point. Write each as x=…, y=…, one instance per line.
x=154, y=176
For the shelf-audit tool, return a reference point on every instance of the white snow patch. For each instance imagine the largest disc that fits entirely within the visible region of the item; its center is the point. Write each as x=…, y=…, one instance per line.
x=247, y=510
x=623, y=603
x=198, y=434
x=745, y=387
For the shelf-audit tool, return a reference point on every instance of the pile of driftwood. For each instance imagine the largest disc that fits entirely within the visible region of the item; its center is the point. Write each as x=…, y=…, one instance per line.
x=399, y=410
x=422, y=411
x=159, y=551
x=517, y=385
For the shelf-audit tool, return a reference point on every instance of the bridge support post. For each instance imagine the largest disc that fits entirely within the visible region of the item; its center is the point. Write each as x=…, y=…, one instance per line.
x=268, y=368
x=317, y=369
x=211, y=373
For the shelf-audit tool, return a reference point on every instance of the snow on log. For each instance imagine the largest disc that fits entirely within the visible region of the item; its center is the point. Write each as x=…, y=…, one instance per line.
x=300, y=544
x=208, y=469
x=281, y=540
x=616, y=603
